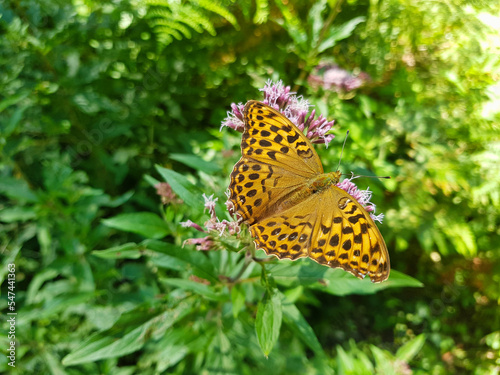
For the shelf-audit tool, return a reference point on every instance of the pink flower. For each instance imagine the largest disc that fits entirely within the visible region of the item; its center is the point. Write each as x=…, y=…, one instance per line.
x=190, y=224
x=213, y=226
x=295, y=108
x=202, y=244
x=234, y=119
x=164, y=190
x=362, y=196
x=210, y=205
x=333, y=77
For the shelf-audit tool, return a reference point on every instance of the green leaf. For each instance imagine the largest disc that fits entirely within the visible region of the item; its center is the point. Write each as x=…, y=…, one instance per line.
x=411, y=348
x=54, y=306
x=268, y=321
x=143, y=223
x=127, y=251
x=261, y=11
x=340, y=283
x=13, y=99
x=237, y=299
x=129, y=334
x=493, y=340
x=182, y=187
x=17, y=189
x=338, y=33
x=293, y=273
x=170, y=256
x=9, y=258
x=462, y=236
x=295, y=320
x=196, y=287
x=13, y=214
x=315, y=20
x=383, y=360
x=345, y=362
x=151, y=180
x=218, y=9
x=196, y=162
x=334, y=281
x=171, y=349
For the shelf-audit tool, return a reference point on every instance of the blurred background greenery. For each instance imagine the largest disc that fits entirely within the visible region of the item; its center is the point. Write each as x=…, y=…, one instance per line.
x=93, y=94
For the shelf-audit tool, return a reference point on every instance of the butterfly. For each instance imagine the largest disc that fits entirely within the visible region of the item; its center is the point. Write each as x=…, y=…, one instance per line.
x=293, y=208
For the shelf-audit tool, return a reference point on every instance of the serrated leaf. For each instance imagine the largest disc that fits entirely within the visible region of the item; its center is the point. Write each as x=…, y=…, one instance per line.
x=143, y=223
x=268, y=321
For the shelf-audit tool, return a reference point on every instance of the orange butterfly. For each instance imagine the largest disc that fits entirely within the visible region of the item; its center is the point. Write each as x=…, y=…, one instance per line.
x=293, y=208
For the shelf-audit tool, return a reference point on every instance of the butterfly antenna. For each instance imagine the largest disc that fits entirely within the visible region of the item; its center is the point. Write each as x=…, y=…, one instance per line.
x=360, y=175
x=341, y=152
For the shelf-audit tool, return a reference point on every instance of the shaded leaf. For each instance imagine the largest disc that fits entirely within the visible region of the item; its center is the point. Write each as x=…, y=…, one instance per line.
x=140, y=325
x=268, y=320
x=410, y=349
x=127, y=251
x=196, y=162
x=182, y=187
x=170, y=256
x=196, y=287
x=143, y=223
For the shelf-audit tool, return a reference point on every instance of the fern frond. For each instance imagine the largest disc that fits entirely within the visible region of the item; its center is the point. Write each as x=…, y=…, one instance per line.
x=173, y=19
x=218, y=9
x=162, y=24
x=192, y=15
x=261, y=11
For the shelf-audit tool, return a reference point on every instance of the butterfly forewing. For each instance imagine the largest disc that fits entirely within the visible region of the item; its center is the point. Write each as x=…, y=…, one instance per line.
x=277, y=161
x=271, y=191
x=271, y=138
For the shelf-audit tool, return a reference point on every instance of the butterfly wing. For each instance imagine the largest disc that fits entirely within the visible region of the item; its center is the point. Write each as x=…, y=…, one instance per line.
x=277, y=161
x=336, y=231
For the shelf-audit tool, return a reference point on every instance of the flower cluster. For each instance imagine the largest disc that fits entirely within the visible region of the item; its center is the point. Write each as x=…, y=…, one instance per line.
x=164, y=190
x=333, y=77
x=362, y=196
x=213, y=227
x=294, y=107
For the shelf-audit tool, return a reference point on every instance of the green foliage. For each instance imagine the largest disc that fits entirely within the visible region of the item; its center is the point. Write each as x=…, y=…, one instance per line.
x=100, y=102
x=173, y=20
x=356, y=361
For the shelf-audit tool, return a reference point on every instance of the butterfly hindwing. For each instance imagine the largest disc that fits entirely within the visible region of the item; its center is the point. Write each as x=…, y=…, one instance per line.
x=346, y=238
x=258, y=190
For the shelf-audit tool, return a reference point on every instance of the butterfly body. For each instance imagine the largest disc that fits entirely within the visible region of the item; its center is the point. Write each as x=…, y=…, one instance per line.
x=293, y=208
